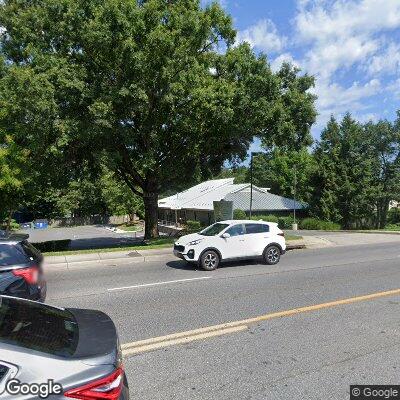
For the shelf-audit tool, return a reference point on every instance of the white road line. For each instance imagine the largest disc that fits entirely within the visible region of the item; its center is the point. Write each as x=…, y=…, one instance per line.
x=157, y=284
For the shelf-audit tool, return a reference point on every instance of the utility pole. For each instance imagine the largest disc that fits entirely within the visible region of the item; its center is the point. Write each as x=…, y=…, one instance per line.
x=253, y=153
x=294, y=193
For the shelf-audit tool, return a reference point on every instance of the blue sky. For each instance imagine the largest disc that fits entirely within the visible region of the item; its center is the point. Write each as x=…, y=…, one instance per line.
x=352, y=47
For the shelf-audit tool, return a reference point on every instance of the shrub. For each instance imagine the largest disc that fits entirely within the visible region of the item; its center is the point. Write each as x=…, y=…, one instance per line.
x=14, y=226
x=266, y=218
x=316, y=224
x=285, y=222
x=239, y=214
x=53, y=245
x=393, y=227
x=193, y=226
x=394, y=216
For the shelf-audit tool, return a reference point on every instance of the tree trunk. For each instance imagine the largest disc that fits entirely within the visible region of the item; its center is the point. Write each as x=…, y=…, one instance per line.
x=8, y=228
x=150, y=199
x=384, y=213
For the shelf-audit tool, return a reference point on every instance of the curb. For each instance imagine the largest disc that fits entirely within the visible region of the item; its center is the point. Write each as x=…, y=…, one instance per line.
x=95, y=259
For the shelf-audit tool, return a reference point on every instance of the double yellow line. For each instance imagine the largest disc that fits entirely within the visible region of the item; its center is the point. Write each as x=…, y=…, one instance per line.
x=159, y=342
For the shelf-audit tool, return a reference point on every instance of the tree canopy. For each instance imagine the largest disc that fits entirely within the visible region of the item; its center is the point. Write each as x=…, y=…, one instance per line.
x=155, y=88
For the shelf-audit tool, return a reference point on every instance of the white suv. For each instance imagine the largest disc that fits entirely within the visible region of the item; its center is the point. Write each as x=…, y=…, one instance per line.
x=229, y=240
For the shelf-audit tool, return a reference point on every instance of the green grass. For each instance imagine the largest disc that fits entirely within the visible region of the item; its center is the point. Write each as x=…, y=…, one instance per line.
x=293, y=237
x=152, y=244
x=130, y=228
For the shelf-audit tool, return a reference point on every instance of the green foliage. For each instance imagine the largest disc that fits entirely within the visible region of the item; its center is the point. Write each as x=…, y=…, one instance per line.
x=278, y=168
x=344, y=179
x=392, y=227
x=192, y=226
x=239, y=214
x=316, y=224
x=285, y=222
x=138, y=83
x=12, y=225
x=240, y=174
x=266, y=218
x=394, y=216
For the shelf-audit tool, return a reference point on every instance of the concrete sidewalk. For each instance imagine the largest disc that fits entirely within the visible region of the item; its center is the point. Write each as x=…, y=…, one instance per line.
x=125, y=257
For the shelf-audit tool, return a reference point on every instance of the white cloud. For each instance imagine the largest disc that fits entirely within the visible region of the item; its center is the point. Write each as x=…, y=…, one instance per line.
x=337, y=100
x=343, y=32
x=325, y=20
x=285, y=57
x=263, y=35
x=386, y=62
x=338, y=36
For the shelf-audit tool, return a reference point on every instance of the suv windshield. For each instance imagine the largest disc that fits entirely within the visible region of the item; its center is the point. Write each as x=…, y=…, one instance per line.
x=38, y=327
x=214, y=229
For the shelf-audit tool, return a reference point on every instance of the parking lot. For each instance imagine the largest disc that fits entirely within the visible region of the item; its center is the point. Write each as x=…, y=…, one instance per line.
x=89, y=236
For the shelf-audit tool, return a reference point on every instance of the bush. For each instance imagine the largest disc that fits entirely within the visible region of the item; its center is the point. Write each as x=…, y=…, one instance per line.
x=53, y=245
x=266, y=218
x=239, y=214
x=14, y=226
x=393, y=227
x=285, y=222
x=316, y=224
x=192, y=226
x=394, y=216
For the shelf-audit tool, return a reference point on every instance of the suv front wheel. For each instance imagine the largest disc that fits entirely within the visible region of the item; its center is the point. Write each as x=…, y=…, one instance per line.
x=209, y=260
x=272, y=255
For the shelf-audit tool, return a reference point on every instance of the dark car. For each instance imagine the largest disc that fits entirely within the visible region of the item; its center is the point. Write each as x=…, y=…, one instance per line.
x=21, y=270
x=73, y=352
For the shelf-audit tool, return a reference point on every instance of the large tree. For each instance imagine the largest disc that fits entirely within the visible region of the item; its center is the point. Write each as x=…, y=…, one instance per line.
x=284, y=171
x=384, y=139
x=344, y=178
x=154, y=87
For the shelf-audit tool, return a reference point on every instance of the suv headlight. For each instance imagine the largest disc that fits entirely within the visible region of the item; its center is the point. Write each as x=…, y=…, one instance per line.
x=194, y=242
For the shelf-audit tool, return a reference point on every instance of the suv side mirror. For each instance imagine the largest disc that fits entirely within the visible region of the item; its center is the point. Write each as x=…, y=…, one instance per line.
x=226, y=235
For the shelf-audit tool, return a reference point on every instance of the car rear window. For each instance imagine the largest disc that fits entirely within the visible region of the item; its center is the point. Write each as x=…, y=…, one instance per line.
x=38, y=327
x=257, y=228
x=11, y=254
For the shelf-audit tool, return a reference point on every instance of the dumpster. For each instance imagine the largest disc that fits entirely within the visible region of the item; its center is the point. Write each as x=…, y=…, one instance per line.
x=40, y=224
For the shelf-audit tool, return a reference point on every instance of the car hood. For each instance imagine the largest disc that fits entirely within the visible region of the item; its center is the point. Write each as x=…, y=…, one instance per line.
x=184, y=240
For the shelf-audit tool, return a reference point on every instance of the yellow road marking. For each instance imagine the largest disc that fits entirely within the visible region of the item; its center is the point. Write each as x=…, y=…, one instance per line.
x=155, y=343
x=182, y=340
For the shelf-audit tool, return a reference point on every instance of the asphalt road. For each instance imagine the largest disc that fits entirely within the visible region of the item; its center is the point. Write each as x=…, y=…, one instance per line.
x=312, y=353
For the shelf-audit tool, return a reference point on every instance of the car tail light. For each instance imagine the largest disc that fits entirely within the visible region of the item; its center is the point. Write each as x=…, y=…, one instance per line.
x=281, y=234
x=30, y=275
x=108, y=388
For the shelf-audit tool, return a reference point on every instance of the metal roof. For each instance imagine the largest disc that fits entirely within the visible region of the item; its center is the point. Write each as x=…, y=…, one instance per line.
x=202, y=196
x=263, y=201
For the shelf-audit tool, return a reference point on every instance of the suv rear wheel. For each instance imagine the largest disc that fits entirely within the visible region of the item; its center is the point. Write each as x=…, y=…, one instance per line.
x=209, y=260
x=272, y=255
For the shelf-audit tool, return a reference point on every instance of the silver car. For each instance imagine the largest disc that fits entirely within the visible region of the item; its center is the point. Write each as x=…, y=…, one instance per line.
x=56, y=353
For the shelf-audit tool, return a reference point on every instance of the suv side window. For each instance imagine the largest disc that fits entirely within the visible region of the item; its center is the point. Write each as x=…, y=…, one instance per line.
x=10, y=255
x=236, y=230
x=257, y=228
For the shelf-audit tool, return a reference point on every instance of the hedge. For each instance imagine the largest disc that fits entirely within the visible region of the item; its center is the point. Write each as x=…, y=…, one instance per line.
x=53, y=245
x=316, y=224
